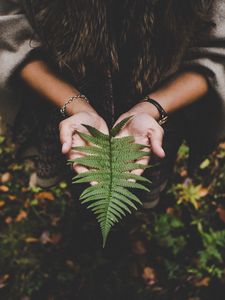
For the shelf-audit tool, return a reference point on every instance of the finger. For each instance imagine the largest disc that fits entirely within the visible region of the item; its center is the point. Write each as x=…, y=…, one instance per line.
x=66, y=133
x=73, y=154
x=137, y=171
x=156, y=137
x=79, y=169
x=144, y=160
x=93, y=182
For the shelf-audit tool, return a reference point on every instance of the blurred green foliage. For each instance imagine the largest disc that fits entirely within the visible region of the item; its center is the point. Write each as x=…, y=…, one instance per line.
x=50, y=246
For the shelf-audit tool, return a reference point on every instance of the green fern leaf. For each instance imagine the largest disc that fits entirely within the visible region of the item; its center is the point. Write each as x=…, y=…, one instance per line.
x=124, y=200
x=110, y=161
x=115, y=130
x=96, y=133
x=130, y=184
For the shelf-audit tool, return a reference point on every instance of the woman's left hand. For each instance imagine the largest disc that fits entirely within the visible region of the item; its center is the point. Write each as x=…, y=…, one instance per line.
x=145, y=130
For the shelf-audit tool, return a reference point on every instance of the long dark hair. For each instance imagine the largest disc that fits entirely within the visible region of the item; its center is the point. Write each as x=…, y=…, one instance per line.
x=153, y=33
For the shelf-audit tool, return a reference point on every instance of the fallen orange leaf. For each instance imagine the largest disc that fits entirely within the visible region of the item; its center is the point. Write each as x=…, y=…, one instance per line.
x=2, y=203
x=6, y=177
x=149, y=275
x=12, y=197
x=202, y=282
x=21, y=216
x=170, y=210
x=4, y=188
x=31, y=240
x=222, y=146
x=45, y=195
x=203, y=192
x=183, y=173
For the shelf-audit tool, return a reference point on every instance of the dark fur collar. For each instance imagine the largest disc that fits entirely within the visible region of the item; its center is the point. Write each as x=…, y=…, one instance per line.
x=152, y=34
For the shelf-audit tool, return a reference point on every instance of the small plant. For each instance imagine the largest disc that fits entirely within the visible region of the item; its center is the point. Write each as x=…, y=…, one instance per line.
x=111, y=161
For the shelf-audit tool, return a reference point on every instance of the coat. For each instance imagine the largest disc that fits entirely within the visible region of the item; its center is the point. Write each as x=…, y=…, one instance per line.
x=36, y=130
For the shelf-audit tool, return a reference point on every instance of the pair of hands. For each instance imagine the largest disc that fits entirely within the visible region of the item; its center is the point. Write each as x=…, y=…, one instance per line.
x=142, y=126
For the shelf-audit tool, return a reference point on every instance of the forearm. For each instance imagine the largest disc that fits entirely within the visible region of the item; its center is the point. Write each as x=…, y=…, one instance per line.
x=180, y=91
x=39, y=77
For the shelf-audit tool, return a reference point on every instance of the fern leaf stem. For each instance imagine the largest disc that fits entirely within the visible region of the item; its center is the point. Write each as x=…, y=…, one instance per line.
x=105, y=233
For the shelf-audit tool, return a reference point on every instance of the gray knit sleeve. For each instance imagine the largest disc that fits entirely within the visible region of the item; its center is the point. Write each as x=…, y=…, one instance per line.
x=208, y=57
x=16, y=39
x=209, y=53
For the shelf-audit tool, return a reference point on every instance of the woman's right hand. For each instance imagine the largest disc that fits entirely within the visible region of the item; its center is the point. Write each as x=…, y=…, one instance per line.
x=69, y=138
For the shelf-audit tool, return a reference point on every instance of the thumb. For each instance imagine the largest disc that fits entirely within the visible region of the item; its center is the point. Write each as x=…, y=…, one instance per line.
x=156, y=138
x=66, y=133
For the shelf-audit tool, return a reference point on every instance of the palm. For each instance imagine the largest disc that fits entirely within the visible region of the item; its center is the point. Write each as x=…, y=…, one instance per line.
x=138, y=127
x=78, y=141
x=74, y=123
x=145, y=131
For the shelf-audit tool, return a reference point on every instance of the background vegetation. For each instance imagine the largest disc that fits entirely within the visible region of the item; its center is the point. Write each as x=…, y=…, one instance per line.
x=50, y=245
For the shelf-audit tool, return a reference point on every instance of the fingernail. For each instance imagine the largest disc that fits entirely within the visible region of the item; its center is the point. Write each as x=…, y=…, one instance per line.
x=163, y=152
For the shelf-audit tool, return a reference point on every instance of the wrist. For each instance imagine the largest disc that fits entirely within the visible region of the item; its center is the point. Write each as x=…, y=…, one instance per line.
x=79, y=105
x=149, y=109
x=75, y=104
x=162, y=115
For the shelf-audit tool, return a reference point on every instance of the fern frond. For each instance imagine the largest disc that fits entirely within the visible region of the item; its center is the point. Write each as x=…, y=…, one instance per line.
x=110, y=160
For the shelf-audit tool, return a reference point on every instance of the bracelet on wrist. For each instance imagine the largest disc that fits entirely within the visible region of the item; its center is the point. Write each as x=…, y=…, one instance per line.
x=71, y=99
x=162, y=112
